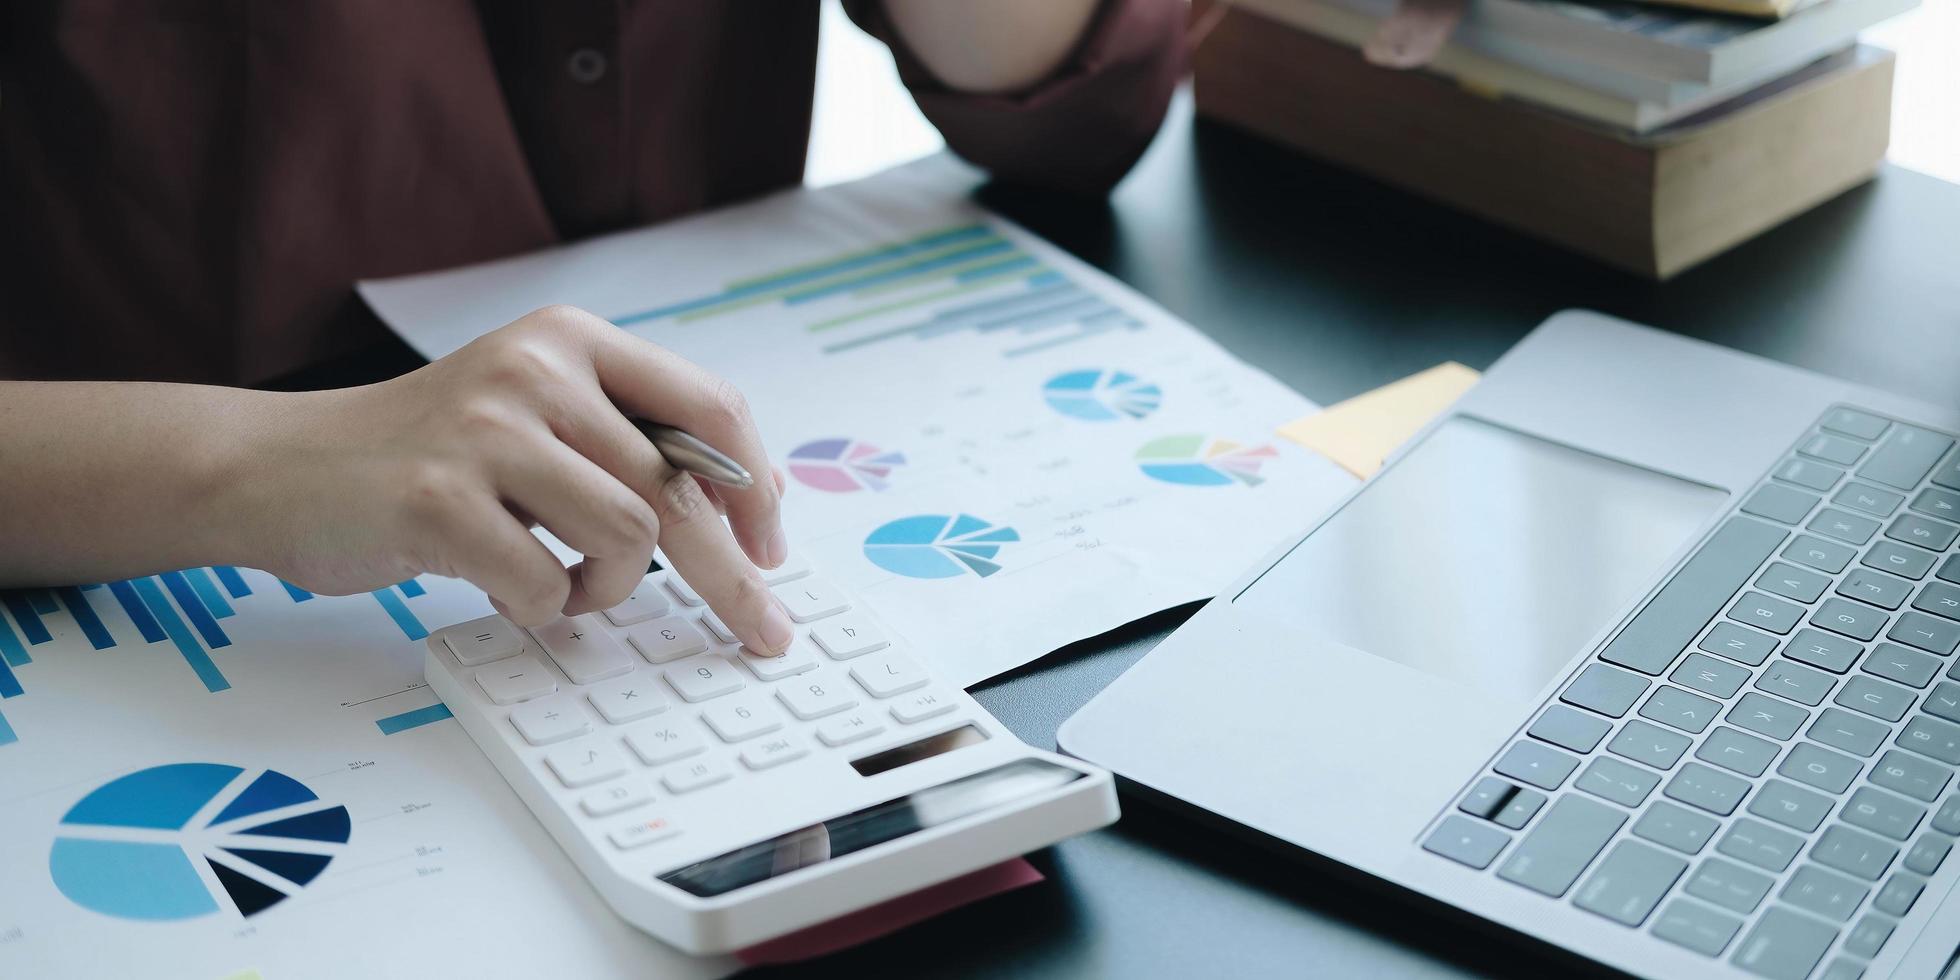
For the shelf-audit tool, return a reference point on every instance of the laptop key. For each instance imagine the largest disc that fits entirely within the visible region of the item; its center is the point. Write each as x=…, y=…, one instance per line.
x=1922, y=531
x=1696, y=927
x=1868, y=936
x=1921, y=779
x=1649, y=744
x=1524, y=804
x=1820, y=767
x=1832, y=449
x=1791, y=805
x=1466, y=841
x=1536, y=764
x=1709, y=789
x=1896, y=896
x=1882, y=813
x=1630, y=882
x=1677, y=827
x=1868, y=499
x=1899, y=559
x=1856, y=734
x=1948, y=474
x=1843, y=968
x=1896, y=663
x=1796, y=682
x=1691, y=598
x=1709, y=675
x=1737, y=752
x=1820, y=649
x=1949, y=569
x=1783, y=945
x=1930, y=736
x=1946, y=820
x=1764, y=612
x=1680, y=709
x=1767, y=716
x=1739, y=644
x=1825, y=556
x=1875, y=697
x=1944, y=701
x=1729, y=885
x=1939, y=599
x=1570, y=834
x=1879, y=589
x=1773, y=501
x=1792, y=582
x=1852, y=619
x=1566, y=728
x=1486, y=798
x=1933, y=635
x=1809, y=473
x=1927, y=853
x=1760, y=844
x=1853, y=852
x=1826, y=893
x=1611, y=779
x=1843, y=525
x=1938, y=503
x=1605, y=689
x=1856, y=424
x=1904, y=458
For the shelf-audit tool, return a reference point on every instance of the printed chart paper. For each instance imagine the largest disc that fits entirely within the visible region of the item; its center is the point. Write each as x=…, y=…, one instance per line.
x=207, y=774
x=998, y=447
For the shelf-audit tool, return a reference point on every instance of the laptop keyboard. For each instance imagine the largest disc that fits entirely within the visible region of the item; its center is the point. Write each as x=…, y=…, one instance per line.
x=1759, y=765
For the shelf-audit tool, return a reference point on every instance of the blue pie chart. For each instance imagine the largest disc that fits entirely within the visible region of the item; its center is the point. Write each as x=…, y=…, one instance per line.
x=939, y=546
x=135, y=848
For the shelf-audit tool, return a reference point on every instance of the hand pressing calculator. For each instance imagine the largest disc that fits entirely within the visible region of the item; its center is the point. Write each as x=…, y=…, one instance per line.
x=718, y=799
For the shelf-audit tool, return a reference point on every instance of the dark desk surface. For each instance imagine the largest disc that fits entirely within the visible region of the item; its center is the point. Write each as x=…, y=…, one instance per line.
x=1337, y=285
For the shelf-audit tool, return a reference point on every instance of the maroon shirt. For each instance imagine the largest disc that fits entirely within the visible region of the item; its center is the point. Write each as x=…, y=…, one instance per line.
x=189, y=188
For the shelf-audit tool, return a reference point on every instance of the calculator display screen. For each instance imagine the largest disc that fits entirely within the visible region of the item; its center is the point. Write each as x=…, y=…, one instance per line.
x=881, y=823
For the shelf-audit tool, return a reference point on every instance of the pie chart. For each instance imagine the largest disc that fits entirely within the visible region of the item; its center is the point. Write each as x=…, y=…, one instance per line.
x=1101, y=396
x=140, y=847
x=938, y=546
x=843, y=465
x=1202, y=461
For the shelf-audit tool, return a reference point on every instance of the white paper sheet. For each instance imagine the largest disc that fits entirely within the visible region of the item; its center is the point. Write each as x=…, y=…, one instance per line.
x=909, y=359
x=444, y=873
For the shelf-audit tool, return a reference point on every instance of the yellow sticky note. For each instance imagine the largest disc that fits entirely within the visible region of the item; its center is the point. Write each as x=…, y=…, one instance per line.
x=1359, y=433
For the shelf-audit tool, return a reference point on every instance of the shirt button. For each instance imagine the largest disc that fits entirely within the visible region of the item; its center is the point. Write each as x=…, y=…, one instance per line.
x=586, y=66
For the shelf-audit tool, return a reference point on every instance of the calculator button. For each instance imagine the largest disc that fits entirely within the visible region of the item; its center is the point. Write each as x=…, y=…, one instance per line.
x=585, y=763
x=516, y=680
x=583, y=650
x=742, y=718
x=774, y=751
x=887, y=674
x=843, y=729
x=663, y=742
x=685, y=592
x=617, y=798
x=548, y=720
x=817, y=696
x=929, y=703
x=849, y=637
x=796, y=661
x=707, y=677
x=695, y=775
x=792, y=568
x=667, y=639
x=719, y=628
x=646, y=602
x=640, y=834
x=628, y=698
x=811, y=599
x=487, y=639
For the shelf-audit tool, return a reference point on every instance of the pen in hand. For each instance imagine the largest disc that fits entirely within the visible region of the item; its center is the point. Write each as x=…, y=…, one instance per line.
x=688, y=453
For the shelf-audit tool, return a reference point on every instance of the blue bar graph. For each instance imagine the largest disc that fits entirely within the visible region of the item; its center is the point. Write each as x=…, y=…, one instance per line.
x=139, y=614
x=31, y=626
x=200, y=662
x=9, y=684
x=234, y=583
x=905, y=271
x=207, y=592
x=43, y=601
x=412, y=588
x=298, y=594
x=11, y=652
x=200, y=617
x=413, y=719
x=399, y=610
x=996, y=268
x=85, y=617
x=7, y=735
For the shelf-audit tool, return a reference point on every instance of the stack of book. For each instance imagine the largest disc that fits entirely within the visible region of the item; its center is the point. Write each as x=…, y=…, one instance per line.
x=1649, y=136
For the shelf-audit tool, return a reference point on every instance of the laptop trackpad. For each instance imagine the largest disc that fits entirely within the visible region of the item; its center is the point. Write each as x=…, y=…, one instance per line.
x=1485, y=556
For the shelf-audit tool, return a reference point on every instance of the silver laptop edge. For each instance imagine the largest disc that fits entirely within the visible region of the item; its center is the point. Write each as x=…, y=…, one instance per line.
x=1278, y=718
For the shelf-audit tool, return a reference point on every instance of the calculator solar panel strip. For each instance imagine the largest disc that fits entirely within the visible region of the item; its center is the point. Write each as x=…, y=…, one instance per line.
x=1748, y=770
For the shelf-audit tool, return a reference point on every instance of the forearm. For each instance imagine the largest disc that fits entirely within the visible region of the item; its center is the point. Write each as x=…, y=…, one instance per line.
x=999, y=46
x=107, y=480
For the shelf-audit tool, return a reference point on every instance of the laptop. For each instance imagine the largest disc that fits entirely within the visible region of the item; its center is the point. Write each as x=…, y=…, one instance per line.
x=1645, y=649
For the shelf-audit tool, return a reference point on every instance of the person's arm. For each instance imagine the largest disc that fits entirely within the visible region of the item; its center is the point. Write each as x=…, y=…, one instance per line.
x=1063, y=93
x=439, y=471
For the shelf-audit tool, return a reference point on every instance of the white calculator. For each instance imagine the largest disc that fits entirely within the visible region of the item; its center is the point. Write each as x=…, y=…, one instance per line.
x=717, y=799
